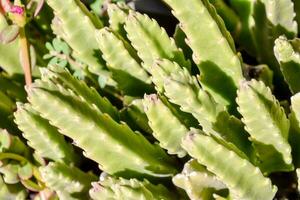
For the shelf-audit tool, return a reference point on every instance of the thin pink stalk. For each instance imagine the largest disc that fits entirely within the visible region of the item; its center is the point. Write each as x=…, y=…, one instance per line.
x=25, y=57
x=6, y=5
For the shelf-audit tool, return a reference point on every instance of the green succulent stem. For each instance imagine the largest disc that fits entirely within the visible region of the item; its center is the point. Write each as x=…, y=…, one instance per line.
x=33, y=186
x=13, y=156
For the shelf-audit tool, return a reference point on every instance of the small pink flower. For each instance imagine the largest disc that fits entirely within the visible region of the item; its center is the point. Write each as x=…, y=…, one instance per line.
x=17, y=10
x=7, y=6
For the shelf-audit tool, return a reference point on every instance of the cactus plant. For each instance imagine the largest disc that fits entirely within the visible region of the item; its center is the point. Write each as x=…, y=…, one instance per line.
x=154, y=116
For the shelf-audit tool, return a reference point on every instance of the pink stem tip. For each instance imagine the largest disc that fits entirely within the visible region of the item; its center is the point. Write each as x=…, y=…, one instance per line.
x=7, y=6
x=17, y=10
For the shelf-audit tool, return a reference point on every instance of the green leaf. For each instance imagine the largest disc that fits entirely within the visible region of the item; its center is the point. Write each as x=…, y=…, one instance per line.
x=296, y=106
x=56, y=44
x=53, y=61
x=244, y=180
x=221, y=69
x=245, y=9
x=5, y=140
x=294, y=134
x=230, y=18
x=231, y=130
x=67, y=181
x=288, y=55
x=152, y=42
x=13, y=144
x=298, y=175
x=267, y=125
x=33, y=57
x=117, y=16
x=9, y=34
x=167, y=128
x=162, y=69
x=180, y=40
x=7, y=104
x=90, y=95
x=183, y=89
x=80, y=36
x=179, y=86
x=123, y=64
x=12, y=87
x=10, y=172
x=25, y=171
x=75, y=118
x=49, y=46
x=12, y=191
x=96, y=6
x=265, y=33
x=62, y=63
x=42, y=137
x=281, y=14
x=294, y=137
x=297, y=11
x=9, y=60
x=134, y=115
x=197, y=181
x=119, y=188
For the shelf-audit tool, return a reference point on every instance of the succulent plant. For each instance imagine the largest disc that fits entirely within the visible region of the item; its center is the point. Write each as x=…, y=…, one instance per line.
x=154, y=116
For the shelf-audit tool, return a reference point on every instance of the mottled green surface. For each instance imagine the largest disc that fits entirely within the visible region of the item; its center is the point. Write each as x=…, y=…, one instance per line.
x=267, y=124
x=244, y=182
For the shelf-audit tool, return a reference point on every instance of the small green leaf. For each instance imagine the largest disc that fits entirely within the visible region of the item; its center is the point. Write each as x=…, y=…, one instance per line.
x=197, y=181
x=118, y=14
x=9, y=53
x=118, y=188
x=135, y=116
x=5, y=140
x=288, y=55
x=25, y=171
x=43, y=137
x=167, y=128
x=32, y=56
x=65, y=48
x=47, y=56
x=69, y=182
x=56, y=44
x=9, y=34
x=62, y=63
x=53, y=61
x=10, y=172
x=49, y=46
x=296, y=106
